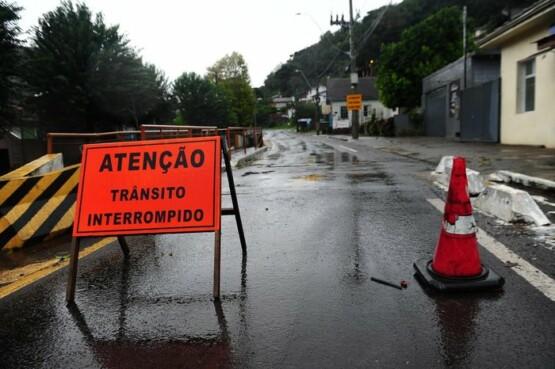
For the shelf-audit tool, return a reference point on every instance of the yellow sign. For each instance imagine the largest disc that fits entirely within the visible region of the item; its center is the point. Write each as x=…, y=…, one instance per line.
x=354, y=102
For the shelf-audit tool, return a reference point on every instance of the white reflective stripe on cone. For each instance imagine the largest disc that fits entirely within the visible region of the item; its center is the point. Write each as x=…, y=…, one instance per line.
x=465, y=224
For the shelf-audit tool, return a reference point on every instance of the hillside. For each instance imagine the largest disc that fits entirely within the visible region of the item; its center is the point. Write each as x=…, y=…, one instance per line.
x=326, y=58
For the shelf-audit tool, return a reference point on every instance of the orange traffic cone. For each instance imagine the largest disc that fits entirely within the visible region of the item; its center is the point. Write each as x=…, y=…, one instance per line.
x=456, y=263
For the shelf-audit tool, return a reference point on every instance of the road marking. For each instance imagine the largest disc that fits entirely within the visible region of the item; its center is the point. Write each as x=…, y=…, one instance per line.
x=530, y=273
x=347, y=148
x=54, y=266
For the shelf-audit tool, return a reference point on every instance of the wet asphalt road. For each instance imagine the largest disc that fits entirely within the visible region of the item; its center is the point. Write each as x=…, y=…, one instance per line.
x=320, y=220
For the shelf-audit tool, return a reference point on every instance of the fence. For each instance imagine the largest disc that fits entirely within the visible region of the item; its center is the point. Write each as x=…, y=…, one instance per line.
x=69, y=144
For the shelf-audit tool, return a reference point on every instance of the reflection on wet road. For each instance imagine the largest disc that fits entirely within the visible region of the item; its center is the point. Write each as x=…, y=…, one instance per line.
x=320, y=221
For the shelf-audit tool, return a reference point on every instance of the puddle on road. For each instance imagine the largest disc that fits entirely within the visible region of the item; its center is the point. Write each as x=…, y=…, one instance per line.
x=369, y=177
x=312, y=177
x=325, y=158
x=250, y=173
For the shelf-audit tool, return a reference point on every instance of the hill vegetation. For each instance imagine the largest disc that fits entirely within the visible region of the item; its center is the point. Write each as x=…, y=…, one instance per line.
x=328, y=57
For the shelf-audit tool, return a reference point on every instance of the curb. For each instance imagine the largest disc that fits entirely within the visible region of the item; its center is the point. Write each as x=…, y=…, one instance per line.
x=529, y=181
x=245, y=160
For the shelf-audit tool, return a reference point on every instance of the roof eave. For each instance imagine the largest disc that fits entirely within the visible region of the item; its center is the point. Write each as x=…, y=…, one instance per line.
x=520, y=24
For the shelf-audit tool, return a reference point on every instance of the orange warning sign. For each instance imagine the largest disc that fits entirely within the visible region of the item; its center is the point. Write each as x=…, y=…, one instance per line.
x=354, y=102
x=145, y=187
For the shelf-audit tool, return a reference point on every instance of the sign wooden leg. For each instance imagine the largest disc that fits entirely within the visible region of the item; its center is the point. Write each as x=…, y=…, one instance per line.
x=72, y=275
x=231, y=183
x=124, y=247
x=217, y=263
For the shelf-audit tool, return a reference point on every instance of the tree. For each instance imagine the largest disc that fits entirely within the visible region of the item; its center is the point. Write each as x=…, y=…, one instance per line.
x=232, y=75
x=242, y=100
x=231, y=66
x=201, y=102
x=9, y=44
x=422, y=49
x=85, y=76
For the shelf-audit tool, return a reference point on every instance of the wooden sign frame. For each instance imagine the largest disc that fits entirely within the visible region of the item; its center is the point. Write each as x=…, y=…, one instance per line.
x=75, y=243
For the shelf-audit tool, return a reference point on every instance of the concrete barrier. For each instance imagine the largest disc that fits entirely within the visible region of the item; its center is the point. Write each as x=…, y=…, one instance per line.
x=245, y=160
x=442, y=175
x=510, y=205
x=529, y=181
x=45, y=164
x=35, y=208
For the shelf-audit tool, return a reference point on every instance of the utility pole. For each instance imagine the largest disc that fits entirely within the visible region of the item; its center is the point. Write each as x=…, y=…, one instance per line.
x=353, y=71
x=463, y=88
x=464, y=45
x=316, y=100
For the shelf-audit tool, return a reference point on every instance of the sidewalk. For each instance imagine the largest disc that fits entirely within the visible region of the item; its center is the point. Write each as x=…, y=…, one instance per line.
x=483, y=157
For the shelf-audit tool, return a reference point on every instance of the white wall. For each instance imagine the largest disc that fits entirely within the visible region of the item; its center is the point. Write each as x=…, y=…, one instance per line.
x=381, y=113
x=535, y=127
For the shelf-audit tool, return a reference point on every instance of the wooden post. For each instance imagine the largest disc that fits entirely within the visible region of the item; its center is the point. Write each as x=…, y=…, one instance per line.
x=124, y=247
x=72, y=275
x=244, y=141
x=49, y=143
x=254, y=137
x=217, y=263
x=231, y=183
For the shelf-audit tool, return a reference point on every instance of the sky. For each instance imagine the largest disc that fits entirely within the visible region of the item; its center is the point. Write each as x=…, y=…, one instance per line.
x=188, y=36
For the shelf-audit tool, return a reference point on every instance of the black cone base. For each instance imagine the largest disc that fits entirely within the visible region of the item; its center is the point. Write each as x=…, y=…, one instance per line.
x=488, y=279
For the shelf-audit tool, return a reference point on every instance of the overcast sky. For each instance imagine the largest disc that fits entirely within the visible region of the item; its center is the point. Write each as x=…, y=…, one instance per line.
x=188, y=36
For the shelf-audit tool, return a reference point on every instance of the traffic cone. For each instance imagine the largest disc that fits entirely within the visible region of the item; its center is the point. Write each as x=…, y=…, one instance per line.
x=456, y=263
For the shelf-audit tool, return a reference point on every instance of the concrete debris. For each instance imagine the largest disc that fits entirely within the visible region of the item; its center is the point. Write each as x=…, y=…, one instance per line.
x=442, y=175
x=513, y=177
x=444, y=163
x=511, y=205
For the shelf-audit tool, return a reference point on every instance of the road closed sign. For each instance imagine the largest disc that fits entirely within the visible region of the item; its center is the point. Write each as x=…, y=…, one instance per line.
x=146, y=187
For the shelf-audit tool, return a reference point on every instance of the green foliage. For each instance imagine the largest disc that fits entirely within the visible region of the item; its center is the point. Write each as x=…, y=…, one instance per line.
x=9, y=43
x=202, y=102
x=264, y=112
x=85, y=76
x=231, y=66
x=231, y=74
x=323, y=58
x=242, y=100
x=304, y=110
x=422, y=49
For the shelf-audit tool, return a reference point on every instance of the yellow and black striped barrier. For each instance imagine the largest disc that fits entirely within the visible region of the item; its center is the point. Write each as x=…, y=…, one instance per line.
x=35, y=208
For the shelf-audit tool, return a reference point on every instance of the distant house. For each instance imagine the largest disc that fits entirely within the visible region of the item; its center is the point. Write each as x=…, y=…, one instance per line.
x=469, y=109
x=284, y=105
x=339, y=88
x=527, y=46
x=311, y=95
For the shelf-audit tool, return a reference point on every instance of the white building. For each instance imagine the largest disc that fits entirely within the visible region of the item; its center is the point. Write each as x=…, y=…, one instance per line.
x=310, y=97
x=527, y=45
x=337, y=91
x=284, y=105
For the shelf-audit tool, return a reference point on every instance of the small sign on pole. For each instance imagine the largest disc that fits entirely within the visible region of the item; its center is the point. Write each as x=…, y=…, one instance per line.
x=354, y=102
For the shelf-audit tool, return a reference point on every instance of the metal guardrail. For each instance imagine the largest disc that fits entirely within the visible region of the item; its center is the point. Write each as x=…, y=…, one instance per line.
x=236, y=137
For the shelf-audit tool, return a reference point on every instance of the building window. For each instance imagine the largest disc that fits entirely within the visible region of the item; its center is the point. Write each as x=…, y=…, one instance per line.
x=527, y=85
x=365, y=110
x=344, y=113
